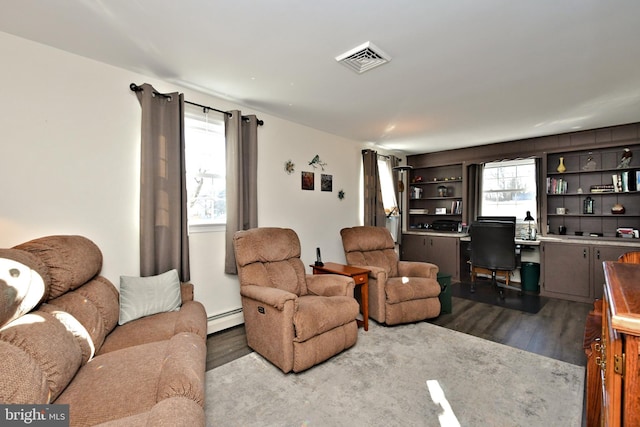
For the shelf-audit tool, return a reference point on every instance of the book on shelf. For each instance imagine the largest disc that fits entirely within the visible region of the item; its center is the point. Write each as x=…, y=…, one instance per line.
x=616, y=179
x=418, y=211
x=456, y=207
x=602, y=188
x=557, y=186
x=624, y=178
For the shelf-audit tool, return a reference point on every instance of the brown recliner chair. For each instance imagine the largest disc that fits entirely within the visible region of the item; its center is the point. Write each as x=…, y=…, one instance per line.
x=293, y=319
x=399, y=291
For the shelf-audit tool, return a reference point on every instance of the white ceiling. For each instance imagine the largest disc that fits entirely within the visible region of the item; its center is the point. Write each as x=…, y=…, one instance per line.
x=463, y=72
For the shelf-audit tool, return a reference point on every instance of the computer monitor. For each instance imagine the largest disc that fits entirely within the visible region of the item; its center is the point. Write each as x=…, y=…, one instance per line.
x=497, y=218
x=511, y=219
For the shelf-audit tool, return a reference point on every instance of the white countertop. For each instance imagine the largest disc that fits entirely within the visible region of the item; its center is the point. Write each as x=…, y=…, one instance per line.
x=606, y=241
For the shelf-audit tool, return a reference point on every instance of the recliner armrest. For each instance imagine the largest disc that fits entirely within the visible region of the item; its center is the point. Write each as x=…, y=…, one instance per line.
x=418, y=269
x=328, y=285
x=270, y=296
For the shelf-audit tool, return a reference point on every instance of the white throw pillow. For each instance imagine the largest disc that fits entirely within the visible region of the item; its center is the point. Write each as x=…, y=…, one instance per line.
x=144, y=296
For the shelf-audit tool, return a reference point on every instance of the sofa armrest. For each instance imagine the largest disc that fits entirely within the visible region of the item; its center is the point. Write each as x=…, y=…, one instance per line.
x=270, y=296
x=329, y=285
x=418, y=269
x=186, y=291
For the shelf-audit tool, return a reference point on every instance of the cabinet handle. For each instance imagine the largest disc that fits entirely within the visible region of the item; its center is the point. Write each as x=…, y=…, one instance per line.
x=584, y=253
x=598, y=253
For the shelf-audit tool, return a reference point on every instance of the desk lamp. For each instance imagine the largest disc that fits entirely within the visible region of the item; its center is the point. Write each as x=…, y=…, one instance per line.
x=529, y=218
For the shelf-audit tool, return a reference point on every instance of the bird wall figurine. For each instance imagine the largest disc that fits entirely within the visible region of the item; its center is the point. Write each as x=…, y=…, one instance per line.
x=625, y=161
x=315, y=162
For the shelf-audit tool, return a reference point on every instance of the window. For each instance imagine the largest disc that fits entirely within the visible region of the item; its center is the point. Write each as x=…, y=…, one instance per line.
x=205, y=164
x=386, y=185
x=509, y=188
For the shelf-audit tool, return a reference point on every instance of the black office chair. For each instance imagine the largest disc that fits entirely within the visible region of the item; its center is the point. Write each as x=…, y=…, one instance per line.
x=493, y=251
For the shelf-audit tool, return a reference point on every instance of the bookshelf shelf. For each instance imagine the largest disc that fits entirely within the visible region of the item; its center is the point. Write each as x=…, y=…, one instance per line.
x=587, y=170
x=431, y=183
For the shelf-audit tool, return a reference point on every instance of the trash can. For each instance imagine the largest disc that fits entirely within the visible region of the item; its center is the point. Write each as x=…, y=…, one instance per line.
x=445, y=292
x=530, y=276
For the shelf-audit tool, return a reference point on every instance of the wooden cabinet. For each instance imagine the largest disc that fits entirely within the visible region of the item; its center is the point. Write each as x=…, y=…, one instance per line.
x=435, y=193
x=599, y=254
x=620, y=346
x=566, y=269
x=589, y=174
x=574, y=270
x=442, y=251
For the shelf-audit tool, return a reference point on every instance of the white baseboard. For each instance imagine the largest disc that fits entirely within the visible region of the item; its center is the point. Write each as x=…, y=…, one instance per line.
x=224, y=321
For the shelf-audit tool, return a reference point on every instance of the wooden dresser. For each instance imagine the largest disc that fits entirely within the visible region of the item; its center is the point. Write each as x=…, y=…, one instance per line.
x=618, y=353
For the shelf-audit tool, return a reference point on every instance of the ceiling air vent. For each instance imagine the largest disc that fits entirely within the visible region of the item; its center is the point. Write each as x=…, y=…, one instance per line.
x=363, y=58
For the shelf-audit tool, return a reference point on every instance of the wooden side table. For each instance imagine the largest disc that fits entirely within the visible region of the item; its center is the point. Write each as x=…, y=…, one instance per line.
x=359, y=275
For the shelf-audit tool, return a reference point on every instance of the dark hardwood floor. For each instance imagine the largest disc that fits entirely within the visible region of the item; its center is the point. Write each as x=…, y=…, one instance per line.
x=556, y=331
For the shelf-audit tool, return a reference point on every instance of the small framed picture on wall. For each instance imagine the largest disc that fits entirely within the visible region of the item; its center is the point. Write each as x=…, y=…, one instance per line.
x=326, y=182
x=308, y=180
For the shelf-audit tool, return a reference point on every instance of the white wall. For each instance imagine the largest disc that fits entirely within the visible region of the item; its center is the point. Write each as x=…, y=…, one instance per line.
x=69, y=154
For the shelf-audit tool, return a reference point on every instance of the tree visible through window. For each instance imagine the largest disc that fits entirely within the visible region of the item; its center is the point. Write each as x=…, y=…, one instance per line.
x=206, y=171
x=509, y=188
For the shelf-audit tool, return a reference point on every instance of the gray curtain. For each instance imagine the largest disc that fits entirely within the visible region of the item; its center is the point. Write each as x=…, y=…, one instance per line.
x=164, y=240
x=474, y=192
x=373, y=206
x=242, y=179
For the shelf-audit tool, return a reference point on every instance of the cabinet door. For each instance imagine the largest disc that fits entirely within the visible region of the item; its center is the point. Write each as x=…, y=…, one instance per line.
x=600, y=254
x=443, y=252
x=413, y=248
x=566, y=271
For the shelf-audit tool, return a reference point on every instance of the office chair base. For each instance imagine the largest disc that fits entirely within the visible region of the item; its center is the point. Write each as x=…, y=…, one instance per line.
x=494, y=280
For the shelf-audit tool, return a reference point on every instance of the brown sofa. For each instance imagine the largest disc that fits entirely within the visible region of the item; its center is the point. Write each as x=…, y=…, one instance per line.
x=61, y=343
x=399, y=291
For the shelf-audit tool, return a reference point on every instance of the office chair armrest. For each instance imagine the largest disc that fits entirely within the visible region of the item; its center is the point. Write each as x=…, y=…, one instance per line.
x=418, y=269
x=273, y=297
x=329, y=285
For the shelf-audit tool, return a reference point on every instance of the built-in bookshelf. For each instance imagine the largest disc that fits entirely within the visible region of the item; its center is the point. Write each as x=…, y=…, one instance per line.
x=435, y=193
x=596, y=194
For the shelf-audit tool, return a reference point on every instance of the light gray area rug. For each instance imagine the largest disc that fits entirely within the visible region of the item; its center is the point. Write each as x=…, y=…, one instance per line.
x=409, y=375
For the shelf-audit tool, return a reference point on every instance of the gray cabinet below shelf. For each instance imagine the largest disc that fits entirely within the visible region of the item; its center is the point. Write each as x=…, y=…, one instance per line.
x=439, y=250
x=574, y=271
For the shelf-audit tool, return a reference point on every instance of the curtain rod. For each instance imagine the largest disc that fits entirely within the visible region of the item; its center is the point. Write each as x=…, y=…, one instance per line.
x=134, y=87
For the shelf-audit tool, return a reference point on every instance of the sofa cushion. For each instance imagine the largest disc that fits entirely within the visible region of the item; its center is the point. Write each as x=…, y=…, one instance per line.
x=71, y=260
x=39, y=358
x=161, y=326
x=94, y=305
x=24, y=283
x=133, y=380
x=143, y=296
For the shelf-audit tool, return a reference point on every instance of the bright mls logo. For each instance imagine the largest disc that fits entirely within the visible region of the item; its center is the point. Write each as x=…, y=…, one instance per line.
x=34, y=415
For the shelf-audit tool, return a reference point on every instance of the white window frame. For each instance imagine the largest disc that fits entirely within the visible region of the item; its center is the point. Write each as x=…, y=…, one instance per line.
x=202, y=129
x=513, y=180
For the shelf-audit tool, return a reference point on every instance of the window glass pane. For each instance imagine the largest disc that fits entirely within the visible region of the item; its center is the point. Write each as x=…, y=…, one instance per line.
x=386, y=185
x=509, y=188
x=206, y=174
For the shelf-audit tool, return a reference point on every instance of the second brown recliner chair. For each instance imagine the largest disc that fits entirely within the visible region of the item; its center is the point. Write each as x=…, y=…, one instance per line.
x=399, y=291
